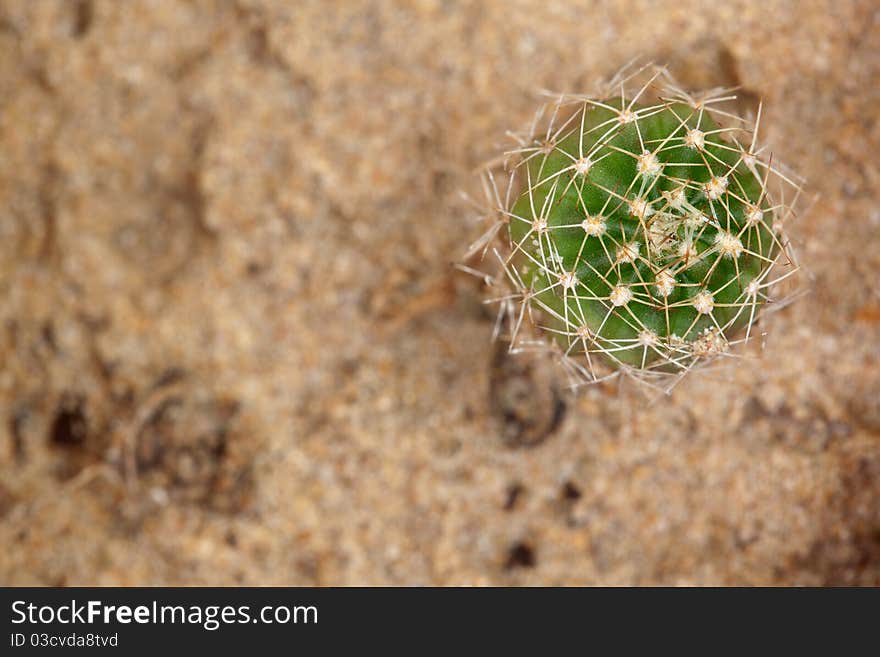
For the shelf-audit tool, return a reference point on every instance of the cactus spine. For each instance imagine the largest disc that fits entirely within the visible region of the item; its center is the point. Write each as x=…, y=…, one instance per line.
x=641, y=228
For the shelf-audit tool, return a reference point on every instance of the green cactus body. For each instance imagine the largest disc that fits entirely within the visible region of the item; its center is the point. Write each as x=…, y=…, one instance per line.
x=649, y=237
x=642, y=235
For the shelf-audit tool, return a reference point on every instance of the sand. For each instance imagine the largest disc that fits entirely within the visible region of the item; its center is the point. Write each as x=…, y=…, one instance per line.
x=233, y=349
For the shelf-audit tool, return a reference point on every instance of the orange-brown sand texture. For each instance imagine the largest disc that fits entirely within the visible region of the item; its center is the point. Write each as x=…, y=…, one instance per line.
x=233, y=349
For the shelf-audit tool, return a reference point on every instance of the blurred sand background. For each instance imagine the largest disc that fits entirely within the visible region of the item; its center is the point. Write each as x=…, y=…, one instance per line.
x=233, y=349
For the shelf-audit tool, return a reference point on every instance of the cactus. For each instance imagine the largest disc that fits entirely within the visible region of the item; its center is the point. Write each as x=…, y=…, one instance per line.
x=641, y=229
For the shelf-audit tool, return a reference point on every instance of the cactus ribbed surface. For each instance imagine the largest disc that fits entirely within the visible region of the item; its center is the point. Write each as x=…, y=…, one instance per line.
x=639, y=228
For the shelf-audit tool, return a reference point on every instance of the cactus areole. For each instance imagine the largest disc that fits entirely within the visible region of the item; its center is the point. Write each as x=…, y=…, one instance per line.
x=641, y=234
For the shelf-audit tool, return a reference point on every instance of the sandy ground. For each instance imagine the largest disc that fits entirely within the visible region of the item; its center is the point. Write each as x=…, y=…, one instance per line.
x=233, y=349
